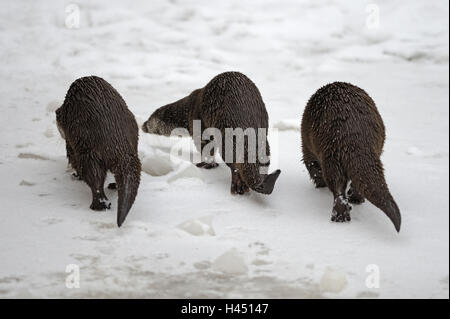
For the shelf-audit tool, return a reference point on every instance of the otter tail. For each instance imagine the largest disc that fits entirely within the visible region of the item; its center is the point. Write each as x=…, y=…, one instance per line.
x=368, y=179
x=261, y=183
x=127, y=175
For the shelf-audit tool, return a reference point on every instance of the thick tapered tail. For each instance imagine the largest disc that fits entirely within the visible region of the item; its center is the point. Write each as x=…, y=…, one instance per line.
x=268, y=183
x=261, y=183
x=127, y=175
x=389, y=207
x=368, y=178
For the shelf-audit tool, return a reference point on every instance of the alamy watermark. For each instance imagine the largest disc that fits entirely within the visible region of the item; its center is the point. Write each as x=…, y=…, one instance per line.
x=373, y=279
x=236, y=145
x=73, y=277
x=73, y=16
x=373, y=16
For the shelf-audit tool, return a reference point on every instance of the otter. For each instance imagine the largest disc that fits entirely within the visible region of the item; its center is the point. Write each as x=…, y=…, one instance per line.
x=342, y=140
x=229, y=101
x=101, y=134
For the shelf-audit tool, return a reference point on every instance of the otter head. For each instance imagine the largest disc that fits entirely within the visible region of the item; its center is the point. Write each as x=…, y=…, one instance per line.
x=166, y=119
x=155, y=125
x=172, y=116
x=59, y=123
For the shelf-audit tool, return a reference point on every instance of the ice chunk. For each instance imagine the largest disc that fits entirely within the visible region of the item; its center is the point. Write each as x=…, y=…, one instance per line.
x=333, y=281
x=231, y=262
x=198, y=227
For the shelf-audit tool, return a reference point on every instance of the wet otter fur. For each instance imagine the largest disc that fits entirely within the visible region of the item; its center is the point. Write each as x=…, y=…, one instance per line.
x=342, y=140
x=229, y=100
x=101, y=134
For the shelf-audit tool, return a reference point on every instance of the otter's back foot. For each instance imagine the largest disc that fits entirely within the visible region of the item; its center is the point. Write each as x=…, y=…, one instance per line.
x=341, y=210
x=238, y=186
x=206, y=165
x=94, y=175
x=100, y=202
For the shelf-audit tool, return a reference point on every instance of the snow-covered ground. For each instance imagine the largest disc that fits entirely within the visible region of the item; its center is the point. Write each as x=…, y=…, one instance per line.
x=186, y=235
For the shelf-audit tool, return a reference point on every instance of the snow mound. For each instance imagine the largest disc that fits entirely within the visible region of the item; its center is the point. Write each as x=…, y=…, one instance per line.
x=198, y=227
x=157, y=163
x=333, y=281
x=231, y=262
x=170, y=156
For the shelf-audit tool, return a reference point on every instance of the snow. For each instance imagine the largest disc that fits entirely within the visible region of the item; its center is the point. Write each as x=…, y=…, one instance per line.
x=186, y=235
x=333, y=281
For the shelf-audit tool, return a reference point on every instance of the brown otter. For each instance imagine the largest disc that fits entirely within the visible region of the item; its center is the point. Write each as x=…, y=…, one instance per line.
x=342, y=140
x=101, y=134
x=229, y=101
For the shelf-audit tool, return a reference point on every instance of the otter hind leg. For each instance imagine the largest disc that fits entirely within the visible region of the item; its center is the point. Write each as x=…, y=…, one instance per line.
x=94, y=174
x=238, y=185
x=315, y=171
x=337, y=183
x=314, y=168
x=73, y=162
x=354, y=197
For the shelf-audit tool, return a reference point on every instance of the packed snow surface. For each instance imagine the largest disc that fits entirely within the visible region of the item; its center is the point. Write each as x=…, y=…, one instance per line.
x=186, y=235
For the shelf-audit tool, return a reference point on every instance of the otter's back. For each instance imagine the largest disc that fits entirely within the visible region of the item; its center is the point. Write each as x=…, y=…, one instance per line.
x=343, y=115
x=232, y=100
x=96, y=115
